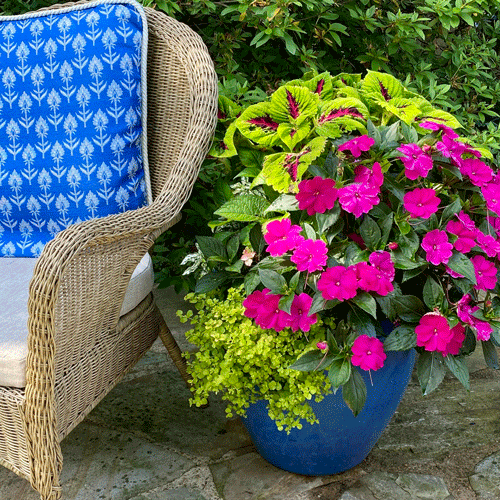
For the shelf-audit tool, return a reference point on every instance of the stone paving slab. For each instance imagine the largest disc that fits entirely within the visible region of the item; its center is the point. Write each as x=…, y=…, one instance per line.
x=144, y=442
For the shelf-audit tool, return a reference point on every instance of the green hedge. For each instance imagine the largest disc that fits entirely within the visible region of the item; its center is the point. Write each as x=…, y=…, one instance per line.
x=444, y=49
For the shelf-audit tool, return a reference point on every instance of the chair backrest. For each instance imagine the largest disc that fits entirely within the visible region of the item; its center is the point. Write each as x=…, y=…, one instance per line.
x=182, y=104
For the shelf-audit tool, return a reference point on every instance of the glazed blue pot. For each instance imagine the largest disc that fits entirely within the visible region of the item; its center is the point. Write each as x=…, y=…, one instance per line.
x=340, y=441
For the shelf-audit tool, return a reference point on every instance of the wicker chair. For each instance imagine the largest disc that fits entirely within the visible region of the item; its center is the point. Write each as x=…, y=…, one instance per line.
x=78, y=345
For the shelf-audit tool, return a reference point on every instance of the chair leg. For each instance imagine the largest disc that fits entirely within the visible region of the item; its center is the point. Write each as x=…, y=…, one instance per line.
x=174, y=351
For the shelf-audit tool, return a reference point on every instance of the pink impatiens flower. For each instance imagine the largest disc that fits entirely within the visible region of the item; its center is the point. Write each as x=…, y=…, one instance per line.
x=299, y=312
x=263, y=307
x=465, y=309
x=450, y=148
x=316, y=195
x=339, y=283
x=488, y=244
x=456, y=341
x=491, y=194
x=466, y=220
x=466, y=238
x=478, y=172
x=421, y=202
x=367, y=276
x=416, y=161
x=371, y=177
x=368, y=353
x=281, y=236
x=433, y=332
x=437, y=247
x=486, y=273
x=310, y=255
x=483, y=329
x=383, y=262
x=357, y=145
x=439, y=126
x=358, y=199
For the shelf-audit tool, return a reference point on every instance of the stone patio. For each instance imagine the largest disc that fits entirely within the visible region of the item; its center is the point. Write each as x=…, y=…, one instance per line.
x=144, y=442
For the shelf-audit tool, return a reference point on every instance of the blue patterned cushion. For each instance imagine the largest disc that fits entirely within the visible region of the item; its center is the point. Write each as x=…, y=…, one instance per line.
x=72, y=111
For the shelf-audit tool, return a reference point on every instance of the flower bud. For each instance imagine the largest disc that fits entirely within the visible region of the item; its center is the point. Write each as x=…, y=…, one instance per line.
x=393, y=245
x=322, y=346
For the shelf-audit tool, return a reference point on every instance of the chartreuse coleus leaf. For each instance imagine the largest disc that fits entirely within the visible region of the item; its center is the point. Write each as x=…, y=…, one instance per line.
x=224, y=148
x=405, y=108
x=291, y=104
x=347, y=80
x=293, y=133
x=380, y=87
x=429, y=113
x=282, y=170
x=341, y=115
x=259, y=124
x=320, y=84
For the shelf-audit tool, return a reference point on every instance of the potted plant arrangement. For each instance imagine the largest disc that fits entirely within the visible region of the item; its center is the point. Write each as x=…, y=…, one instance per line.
x=360, y=230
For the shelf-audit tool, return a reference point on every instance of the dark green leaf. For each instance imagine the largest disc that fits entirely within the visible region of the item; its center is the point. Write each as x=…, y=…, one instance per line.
x=339, y=372
x=410, y=308
x=433, y=293
x=257, y=239
x=370, y=232
x=490, y=354
x=401, y=338
x=235, y=267
x=401, y=261
x=328, y=219
x=385, y=226
x=461, y=264
x=354, y=392
x=318, y=303
x=312, y=361
x=283, y=203
x=366, y=302
x=272, y=280
x=310, y=232
x=411, y=273
x=295, y=281
x=252, y=281
x=362, y=322
x=285, y=302
x=458, y=367
x=317, y=171
x=211, y=247
x=232, y=247
x=450, y=211
x=211, y=281
x=469, y=345
x=430, y=371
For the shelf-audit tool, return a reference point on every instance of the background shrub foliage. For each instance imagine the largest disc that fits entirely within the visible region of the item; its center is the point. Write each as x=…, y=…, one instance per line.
x=446, y=50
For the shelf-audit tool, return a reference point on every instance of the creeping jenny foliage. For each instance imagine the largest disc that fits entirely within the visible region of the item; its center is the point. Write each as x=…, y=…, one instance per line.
x=245, y=363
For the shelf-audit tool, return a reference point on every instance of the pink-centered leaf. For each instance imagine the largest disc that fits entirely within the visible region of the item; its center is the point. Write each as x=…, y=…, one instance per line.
x=265, y=122
x=293, y=106
x=385, y=92
x=339, y=113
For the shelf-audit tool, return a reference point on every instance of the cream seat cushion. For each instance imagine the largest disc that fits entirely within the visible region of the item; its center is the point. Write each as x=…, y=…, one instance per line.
x=15, y=275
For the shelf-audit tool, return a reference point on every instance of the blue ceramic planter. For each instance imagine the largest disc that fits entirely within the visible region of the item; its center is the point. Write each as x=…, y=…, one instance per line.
x=340, y=441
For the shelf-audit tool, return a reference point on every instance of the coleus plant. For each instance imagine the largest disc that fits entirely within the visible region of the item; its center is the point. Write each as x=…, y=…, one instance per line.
x=363, y=204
